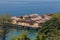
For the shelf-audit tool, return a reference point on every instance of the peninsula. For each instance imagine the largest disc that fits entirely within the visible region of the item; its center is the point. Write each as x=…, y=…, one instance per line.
x=31, y=20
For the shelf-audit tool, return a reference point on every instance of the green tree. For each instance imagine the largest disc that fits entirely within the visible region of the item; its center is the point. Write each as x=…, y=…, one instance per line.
x=37, y=37
x=50, y=29
x=4, y=18
x=23, y=36
x=40, y=36
x=13, y=39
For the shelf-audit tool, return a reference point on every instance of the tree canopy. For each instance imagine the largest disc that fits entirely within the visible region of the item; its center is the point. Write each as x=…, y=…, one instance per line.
x=50, y=30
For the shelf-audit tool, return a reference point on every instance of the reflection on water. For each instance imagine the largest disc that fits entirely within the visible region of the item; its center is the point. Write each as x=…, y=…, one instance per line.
x=15, y=33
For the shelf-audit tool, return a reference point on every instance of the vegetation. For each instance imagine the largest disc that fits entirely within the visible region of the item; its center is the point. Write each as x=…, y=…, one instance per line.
x=23, y=36
x=3, y=20
x=50, y=30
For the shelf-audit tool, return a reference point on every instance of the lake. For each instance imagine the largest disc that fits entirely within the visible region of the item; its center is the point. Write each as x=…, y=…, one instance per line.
x=28, y=7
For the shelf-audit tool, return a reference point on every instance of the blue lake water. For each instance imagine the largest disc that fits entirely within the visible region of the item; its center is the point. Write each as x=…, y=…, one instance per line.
x=28, y=7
